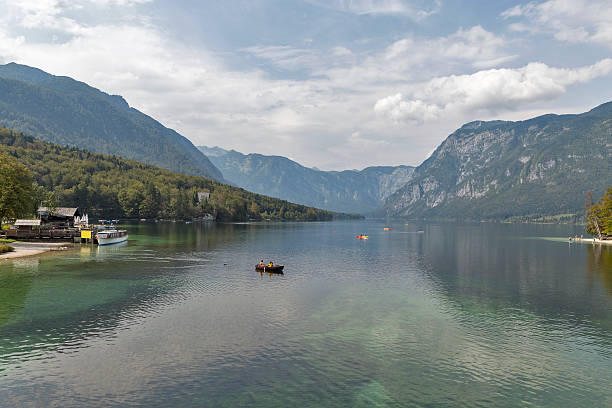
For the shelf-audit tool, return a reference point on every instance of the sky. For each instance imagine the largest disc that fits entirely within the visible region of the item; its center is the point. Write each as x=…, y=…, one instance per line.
x=336, y=84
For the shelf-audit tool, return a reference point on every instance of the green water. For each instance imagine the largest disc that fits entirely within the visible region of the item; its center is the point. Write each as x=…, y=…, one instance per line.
x=456, y=315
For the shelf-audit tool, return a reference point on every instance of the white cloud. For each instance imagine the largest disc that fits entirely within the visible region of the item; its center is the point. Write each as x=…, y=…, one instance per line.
x=572, y=21
x=322, y=117
x=285, y=57
x=341, y=51
x=476, y=45
x=397, y=109
x=401, y=7
x=495, y=89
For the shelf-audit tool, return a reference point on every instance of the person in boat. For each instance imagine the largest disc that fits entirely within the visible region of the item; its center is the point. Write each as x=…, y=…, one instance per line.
x=271, y=264
x=261, y=264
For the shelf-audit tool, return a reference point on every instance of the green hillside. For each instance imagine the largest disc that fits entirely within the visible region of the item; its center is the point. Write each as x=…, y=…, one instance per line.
x=71, y=113
x=108, y=186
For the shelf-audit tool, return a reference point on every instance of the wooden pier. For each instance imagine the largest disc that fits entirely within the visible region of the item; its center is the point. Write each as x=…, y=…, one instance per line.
x=37, y=234
x=73, y=234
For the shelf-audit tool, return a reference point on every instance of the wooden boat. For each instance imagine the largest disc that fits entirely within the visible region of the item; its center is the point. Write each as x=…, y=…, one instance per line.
x=270, y=269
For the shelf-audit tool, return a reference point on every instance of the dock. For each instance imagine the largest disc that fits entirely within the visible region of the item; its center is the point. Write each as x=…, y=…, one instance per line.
x=71, y=234
x=60, y=224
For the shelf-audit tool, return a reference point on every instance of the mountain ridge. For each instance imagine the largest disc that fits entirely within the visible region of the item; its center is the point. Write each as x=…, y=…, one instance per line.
x=359, y=191
x=504, y=169
x=62, y=110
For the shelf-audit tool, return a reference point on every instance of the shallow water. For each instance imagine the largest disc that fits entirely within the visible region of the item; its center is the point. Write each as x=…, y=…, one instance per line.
x=455, y=315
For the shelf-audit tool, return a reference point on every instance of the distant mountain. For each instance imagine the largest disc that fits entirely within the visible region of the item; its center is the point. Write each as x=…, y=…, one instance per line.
x=71, y=113
x=344, y=191
x=498, y=170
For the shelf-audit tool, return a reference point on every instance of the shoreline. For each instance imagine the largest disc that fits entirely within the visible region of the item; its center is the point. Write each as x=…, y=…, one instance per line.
x=23, y=249
x=593, y=241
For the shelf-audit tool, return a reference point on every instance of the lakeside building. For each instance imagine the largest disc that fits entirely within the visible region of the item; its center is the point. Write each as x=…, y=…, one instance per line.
x=27, y=225
x=58, y=217
x=57, y=223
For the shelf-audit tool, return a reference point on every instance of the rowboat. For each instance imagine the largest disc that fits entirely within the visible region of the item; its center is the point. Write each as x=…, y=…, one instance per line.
x=270, y=269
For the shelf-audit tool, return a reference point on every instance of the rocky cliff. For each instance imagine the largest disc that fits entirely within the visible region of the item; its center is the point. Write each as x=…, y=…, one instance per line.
x=497, y=170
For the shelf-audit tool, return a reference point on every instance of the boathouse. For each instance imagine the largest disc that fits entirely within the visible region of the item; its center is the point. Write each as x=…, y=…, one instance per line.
x=58, y=217
x=27, y=225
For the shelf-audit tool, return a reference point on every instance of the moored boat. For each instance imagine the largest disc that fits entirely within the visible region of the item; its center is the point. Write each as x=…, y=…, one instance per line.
x=270, y=269
x=111, y=236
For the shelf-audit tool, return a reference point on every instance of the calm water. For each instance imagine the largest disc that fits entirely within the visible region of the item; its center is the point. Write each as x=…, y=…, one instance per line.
x=460, y=315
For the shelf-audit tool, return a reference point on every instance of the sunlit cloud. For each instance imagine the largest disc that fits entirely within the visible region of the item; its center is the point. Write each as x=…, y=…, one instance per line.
x=493, y=90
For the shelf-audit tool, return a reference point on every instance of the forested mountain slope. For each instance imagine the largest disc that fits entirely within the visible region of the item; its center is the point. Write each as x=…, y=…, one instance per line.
x=111, y=186
x=71, y=113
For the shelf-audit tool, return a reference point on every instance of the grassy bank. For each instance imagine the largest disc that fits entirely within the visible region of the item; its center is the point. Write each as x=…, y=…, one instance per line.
x=6, y=248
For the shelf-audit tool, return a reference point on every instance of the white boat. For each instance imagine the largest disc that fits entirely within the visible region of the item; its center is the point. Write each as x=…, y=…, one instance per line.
x=111, y=236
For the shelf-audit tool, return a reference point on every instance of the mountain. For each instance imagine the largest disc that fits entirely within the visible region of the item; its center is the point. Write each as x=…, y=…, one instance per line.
x=345, y=191
x=110, y=186
x=71, y=113
x=503, y=170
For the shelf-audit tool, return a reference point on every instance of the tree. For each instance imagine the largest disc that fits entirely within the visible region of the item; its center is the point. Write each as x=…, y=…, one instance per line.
x=130, y=199
x=151, y=202
x=599, y=216
x=16, y=189
x=254, y=210
x=51, y=201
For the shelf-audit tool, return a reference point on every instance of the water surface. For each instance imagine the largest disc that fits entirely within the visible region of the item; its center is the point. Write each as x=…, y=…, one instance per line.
x=422, y=315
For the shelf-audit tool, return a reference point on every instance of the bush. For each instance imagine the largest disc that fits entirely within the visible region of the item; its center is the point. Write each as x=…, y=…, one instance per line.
x=6, y=248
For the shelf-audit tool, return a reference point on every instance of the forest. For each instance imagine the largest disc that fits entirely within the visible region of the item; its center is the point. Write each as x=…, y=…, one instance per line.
x=599, y=215
x=108, y=186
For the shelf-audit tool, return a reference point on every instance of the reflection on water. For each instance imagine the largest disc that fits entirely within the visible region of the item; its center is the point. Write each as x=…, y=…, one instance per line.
x=459, y=315
x=14, y=287
x=599, y=263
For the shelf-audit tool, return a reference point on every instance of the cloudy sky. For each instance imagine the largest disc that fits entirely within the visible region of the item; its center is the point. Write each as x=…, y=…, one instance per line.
x=335, y=84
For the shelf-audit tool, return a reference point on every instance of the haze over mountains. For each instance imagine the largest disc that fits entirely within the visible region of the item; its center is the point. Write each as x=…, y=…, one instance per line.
x=68, y=112
x=344, y=191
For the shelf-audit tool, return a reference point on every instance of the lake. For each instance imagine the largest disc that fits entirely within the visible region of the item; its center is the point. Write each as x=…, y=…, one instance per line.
x=426, y=314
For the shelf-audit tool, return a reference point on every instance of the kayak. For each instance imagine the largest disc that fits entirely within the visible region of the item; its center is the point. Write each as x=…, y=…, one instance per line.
x=270, y=269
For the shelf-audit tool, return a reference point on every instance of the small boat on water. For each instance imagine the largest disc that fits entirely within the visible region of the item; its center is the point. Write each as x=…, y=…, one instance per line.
x=111, y=236
x=387, y=229
x=362, y=237
x=270, y=269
